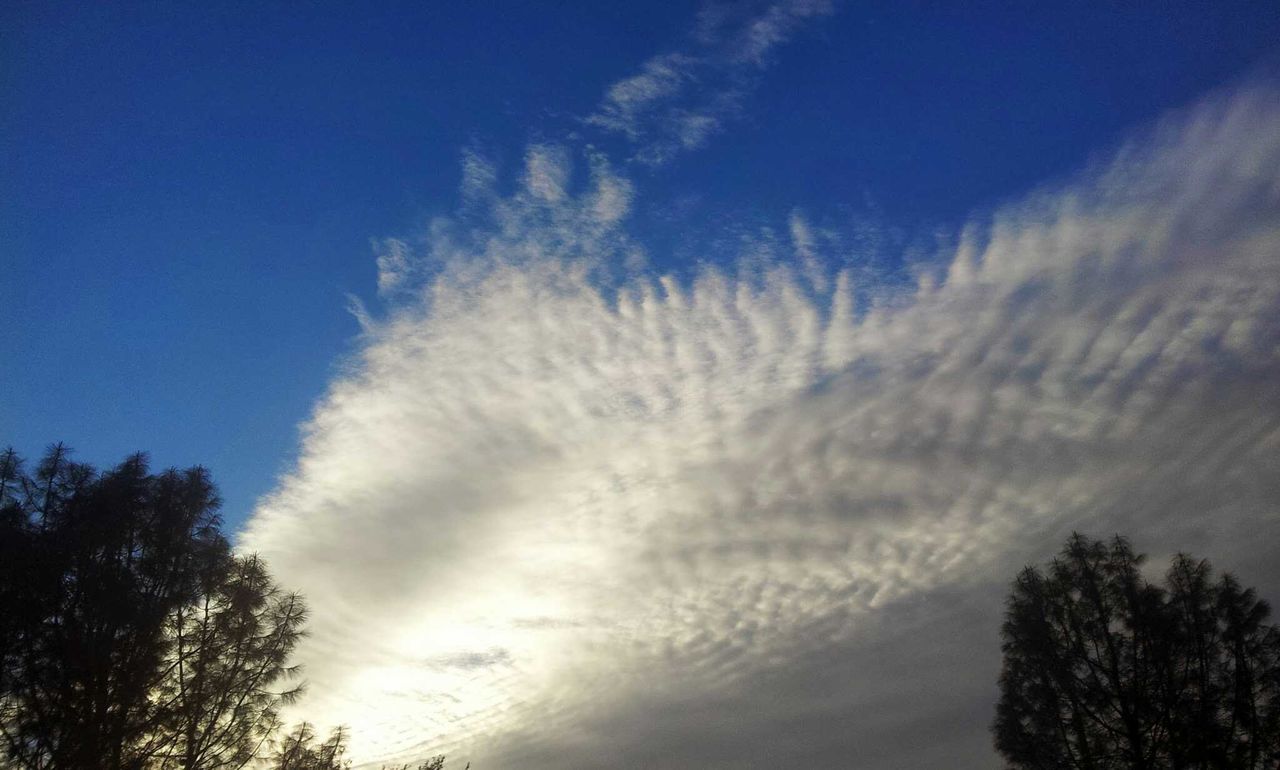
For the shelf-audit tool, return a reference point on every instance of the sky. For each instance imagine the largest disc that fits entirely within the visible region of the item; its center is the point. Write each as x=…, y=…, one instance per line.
x=672, y=385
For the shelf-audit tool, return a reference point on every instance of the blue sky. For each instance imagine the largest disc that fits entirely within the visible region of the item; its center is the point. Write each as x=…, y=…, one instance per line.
x=594, y=368
x=189, y=191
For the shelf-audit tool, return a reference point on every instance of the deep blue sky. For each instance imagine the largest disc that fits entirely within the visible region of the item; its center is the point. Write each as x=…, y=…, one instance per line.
x=187, y=193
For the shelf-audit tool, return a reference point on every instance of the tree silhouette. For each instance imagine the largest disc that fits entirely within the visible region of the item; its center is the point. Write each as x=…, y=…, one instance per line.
x=298, y=750
x=98, y=563
x=227, y=652
x=1103, y=669
x=130, y=635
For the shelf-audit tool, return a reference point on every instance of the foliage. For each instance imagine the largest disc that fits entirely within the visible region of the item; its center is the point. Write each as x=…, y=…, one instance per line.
x=228, y=649
x=1103, y=669
x=299, y=751
x=130, y=635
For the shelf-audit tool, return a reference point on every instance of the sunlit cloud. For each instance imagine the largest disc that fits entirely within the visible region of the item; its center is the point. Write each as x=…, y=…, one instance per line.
x=560, y=511
x=679, y=99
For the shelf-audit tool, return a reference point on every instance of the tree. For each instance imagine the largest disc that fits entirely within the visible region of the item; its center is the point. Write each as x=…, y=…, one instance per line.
x=1103, y=669
x=298, y=750
x=99, y=562
x=130, y=635
x=228, y=651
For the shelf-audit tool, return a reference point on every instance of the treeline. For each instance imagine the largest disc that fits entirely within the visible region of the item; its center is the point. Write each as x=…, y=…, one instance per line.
x=132, y=637
x=1104, y=669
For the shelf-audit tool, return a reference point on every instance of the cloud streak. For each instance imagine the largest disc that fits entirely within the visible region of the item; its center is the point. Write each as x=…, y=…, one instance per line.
x=560, y=512
x=679, y=99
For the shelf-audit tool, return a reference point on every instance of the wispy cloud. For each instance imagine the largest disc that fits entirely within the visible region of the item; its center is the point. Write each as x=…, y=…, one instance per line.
x=680, y=99
x=561, y=513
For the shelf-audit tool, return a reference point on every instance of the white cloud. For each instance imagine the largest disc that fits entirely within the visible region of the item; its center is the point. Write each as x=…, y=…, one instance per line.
x=479, y=175
x=775, y=26
x=556, y=516
x=680, y=99
x=546, y=173
x=393, y=264
x=661, y=77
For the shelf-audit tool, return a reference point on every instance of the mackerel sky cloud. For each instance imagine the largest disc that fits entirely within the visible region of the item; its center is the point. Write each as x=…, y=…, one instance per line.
x=560, y=508
x=716, y=365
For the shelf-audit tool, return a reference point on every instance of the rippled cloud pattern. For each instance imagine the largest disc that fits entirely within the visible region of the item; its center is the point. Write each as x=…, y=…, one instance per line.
x=562, y=512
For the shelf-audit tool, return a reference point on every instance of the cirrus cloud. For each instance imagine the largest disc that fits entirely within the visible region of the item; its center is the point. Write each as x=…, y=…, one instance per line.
x=680, y=99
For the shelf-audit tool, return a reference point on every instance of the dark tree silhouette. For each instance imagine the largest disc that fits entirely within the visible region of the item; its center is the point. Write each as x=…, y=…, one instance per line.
x=227, y=653
x=299, y=751
x=1103, y=669
x=130, y=635
x=100, y=562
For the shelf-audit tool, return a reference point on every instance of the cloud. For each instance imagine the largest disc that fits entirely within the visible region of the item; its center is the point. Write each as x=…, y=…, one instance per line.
x=393, y=264
x=563, y=513
x=679, y=99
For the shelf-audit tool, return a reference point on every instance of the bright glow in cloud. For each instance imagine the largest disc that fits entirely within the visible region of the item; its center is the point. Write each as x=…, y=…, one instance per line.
x=563, y=513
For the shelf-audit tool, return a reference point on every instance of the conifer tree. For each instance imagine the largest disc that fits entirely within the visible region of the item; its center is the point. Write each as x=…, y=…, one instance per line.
x=1103, y=669
x=100, y=562
x=130, y=635
x=228, y=659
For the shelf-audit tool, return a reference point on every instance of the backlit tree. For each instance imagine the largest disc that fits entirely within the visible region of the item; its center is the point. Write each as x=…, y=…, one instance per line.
x=1103, y=669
